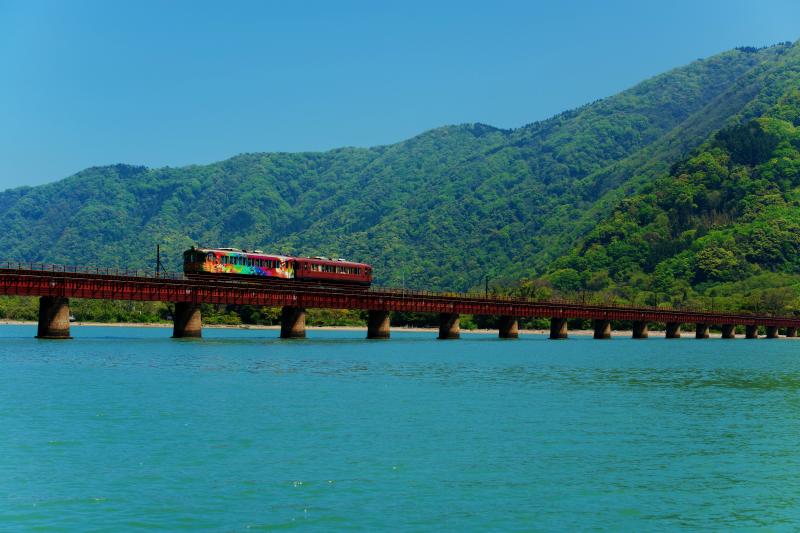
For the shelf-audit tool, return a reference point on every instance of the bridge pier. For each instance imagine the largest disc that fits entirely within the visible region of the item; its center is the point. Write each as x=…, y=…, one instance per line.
x=728, y=331
x=751, y=331
x=53, y=318
x=673, y=330
x=293, y=322
x=449, y=326
x=508, y=327
x=558, y=328
x=602, y=328
x=772, y=332
x=378, y=324
x=640, y=330
x=701, y=331
x=187, y=321
x=791, y=332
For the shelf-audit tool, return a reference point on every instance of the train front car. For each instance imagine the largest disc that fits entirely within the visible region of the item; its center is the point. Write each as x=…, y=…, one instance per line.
x=324, y=271
x=219, y=262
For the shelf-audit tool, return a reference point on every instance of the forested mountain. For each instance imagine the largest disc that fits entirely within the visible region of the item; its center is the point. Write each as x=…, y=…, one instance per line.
x=722, y=228
x=439, y=210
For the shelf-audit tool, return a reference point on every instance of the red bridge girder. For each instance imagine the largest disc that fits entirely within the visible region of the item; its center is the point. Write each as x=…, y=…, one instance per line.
x=42, y=282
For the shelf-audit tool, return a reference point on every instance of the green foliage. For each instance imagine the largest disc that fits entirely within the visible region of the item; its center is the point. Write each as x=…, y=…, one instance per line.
x=722, y=229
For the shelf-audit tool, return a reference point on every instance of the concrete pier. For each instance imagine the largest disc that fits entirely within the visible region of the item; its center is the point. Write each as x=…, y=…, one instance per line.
x=508, y=327
x=751, y=332
x=640, y=330
x=187, y=321
x=53, y=318
x=701, y=331
x=673, y=330
x=602, y=328
x=728, y=331
x=293, y=322
x=791, y=332
x=772, y=332
x=558, y=328
x=378, y=325
x=449, y=326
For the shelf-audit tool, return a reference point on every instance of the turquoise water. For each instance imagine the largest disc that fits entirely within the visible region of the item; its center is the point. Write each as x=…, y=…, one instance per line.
x=125, y=429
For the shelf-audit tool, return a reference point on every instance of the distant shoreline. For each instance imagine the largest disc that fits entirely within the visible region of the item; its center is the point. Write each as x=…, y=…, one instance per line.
x=163, y=325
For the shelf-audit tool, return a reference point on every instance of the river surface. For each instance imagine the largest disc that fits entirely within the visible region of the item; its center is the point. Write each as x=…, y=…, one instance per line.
x=125, y=429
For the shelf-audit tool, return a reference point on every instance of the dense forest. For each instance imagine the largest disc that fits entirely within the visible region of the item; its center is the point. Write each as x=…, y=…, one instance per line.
x=721, y=229
x=681, y=190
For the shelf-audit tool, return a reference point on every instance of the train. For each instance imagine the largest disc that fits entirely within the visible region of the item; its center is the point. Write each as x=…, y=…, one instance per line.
x=236, y=264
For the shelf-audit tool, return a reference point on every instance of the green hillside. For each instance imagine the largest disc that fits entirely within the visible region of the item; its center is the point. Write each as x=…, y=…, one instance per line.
x=721, y=229
x=439, y=210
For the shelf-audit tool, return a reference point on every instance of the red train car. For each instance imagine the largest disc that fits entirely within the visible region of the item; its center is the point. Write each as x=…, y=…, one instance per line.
x=322, y=269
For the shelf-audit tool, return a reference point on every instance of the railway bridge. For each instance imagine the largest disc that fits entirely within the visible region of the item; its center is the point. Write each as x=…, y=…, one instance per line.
x=56, y=284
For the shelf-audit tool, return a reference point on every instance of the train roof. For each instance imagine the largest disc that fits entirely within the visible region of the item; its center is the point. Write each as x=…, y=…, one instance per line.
x=329, y=261
x=318, y=259
x=248, y=253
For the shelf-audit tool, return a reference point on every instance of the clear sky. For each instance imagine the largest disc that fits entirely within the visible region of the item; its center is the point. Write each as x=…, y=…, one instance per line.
x=89, y=83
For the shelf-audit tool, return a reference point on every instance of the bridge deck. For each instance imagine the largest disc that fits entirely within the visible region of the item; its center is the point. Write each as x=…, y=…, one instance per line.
x=15, y=280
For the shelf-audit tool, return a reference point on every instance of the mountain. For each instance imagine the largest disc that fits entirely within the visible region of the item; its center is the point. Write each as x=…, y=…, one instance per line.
x=722, y=228
x=438, y=211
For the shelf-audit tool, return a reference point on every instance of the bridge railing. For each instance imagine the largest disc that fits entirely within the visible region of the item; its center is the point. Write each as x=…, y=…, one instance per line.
x=574, y=302
x=400, y=293
x=84, y=269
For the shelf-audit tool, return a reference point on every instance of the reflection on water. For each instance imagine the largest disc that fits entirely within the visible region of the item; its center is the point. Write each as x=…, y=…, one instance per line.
x=125, y=428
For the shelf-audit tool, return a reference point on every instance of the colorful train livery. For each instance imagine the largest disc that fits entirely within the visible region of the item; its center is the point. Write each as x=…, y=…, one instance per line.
x=204, y=262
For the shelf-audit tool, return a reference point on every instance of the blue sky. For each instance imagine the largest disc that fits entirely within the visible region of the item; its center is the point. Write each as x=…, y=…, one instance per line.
x=173, y=83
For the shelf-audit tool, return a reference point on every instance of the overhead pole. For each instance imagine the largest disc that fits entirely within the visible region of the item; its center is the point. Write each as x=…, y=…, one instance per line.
x=159, y=267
